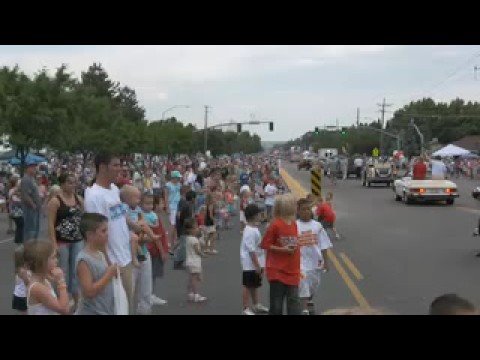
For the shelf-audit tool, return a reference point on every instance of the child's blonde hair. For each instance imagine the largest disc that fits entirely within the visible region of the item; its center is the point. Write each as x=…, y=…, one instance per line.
x=36, y=255
x=285, y=207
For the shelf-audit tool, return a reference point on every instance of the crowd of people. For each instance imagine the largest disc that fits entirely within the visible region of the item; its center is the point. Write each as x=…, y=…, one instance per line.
x=112, y=223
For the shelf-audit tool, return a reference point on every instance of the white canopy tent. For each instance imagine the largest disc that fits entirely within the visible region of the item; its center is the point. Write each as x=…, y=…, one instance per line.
x=451, y=150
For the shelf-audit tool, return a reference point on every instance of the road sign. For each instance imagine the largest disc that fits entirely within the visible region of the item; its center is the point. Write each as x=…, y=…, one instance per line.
x=375, y=152
x=316, y=181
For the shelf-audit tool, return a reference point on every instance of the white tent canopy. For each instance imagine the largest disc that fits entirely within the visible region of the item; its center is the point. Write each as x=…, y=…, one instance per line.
x=451, y=150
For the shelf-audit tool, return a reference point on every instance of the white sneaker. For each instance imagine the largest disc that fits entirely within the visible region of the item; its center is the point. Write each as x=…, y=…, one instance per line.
x=157, y=301
x=191, y=297
x=260, y=308
x=199, y=298
x=305, y=312
x=248, y=311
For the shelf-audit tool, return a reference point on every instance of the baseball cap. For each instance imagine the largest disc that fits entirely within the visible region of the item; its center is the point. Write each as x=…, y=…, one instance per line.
x=176, y=174
x=244, y=188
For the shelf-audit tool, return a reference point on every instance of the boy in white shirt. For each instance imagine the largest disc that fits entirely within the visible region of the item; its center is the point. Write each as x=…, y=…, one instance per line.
x=252, y=258
x=270, y=192
x=314, y=243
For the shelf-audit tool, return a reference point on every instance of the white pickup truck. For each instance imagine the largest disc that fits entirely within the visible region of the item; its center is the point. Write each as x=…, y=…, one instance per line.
x=411, y=191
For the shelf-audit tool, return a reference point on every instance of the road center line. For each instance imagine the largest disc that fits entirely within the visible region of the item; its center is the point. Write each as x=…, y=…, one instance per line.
x=299, y=191
x=353, y=269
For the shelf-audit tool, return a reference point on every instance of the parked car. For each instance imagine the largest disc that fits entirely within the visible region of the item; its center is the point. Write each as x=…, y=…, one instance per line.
x=305, y=164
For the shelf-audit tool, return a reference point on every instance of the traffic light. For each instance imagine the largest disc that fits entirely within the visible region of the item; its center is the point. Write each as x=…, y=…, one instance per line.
x=271, y=125
x=239, y=128
x=344, y=131
x=317, y=131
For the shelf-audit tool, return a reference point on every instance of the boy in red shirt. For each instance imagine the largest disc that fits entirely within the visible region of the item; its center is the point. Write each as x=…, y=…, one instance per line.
x=283, y=257
x=326, y=215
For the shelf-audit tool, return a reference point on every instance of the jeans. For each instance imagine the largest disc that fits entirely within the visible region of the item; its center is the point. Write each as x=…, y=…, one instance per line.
x=279, y=292
x=67, y=255
x=143, y=286
x=31, y=219
x=18, y=229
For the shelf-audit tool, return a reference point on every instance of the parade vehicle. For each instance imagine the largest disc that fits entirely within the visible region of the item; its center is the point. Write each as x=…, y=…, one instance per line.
x=377, y=172
x=408, y=190
x=305, y=164
x=476, y=192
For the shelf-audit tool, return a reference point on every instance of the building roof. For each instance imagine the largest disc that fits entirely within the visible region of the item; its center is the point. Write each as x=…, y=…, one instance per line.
x=470, y=142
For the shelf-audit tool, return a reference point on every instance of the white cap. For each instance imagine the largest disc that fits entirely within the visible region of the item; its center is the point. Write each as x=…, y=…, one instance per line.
x=244, y=188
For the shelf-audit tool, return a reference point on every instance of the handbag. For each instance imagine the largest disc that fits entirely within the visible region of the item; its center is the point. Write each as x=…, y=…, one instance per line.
x=69, y=228
x=119, y=296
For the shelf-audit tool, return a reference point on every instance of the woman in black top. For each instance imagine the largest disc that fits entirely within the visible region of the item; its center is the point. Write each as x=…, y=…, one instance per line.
x=64, y=214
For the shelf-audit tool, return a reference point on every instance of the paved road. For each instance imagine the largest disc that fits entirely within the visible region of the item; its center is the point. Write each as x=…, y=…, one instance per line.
x=407, y=255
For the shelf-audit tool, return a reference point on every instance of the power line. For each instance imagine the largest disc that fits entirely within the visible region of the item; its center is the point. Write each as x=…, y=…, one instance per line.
x=461, y=67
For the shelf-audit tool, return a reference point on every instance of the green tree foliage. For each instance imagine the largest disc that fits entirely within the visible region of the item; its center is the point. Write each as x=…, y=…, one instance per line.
x=95, y=113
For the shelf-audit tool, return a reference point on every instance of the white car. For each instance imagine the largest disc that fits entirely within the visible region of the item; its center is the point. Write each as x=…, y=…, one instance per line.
x=410, y=190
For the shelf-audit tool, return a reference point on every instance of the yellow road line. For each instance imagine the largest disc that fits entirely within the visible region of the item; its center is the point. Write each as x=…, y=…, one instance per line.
x=349, y=282
x=299, y=191
x=353, y=269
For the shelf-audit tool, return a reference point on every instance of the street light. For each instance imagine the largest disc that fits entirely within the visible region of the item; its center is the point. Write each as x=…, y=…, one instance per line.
x=174, y=107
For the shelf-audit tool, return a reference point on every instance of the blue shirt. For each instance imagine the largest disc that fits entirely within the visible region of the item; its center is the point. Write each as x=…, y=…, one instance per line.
x=173, y=195
x=244, y=179
x=151, y=218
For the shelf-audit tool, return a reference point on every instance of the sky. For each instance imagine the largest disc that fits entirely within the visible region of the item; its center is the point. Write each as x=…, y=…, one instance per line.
x=298, y=87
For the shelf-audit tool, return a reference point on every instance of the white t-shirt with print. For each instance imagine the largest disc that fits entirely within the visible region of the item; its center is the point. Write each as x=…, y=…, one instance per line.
x=251, y=243
x=270, y=192
x=107, y=202
x=312, y=238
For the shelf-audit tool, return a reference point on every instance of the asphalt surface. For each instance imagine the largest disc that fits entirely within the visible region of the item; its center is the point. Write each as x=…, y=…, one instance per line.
x=406, y=255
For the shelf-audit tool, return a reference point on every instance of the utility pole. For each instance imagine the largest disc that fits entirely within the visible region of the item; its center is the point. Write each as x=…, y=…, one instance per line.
x=383, y=105
x=205, y=133
x=358, y=117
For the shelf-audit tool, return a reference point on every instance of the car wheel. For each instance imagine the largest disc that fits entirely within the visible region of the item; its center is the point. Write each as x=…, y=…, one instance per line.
x=450, y=201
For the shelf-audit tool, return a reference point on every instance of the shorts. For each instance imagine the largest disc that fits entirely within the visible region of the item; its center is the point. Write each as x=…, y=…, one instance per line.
x=192, y=269
x=19, y=303
x=172, y=217
x=309, y=284
x=251, y=280
x=243, y=219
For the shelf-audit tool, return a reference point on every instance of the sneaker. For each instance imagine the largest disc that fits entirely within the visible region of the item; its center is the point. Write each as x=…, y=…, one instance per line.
x=259, y=308
x=305, y=312
x=247, y=311
x=214, y=252
x=157, y=301
x=191, y=297
x=199, y=298
x=476, y=232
